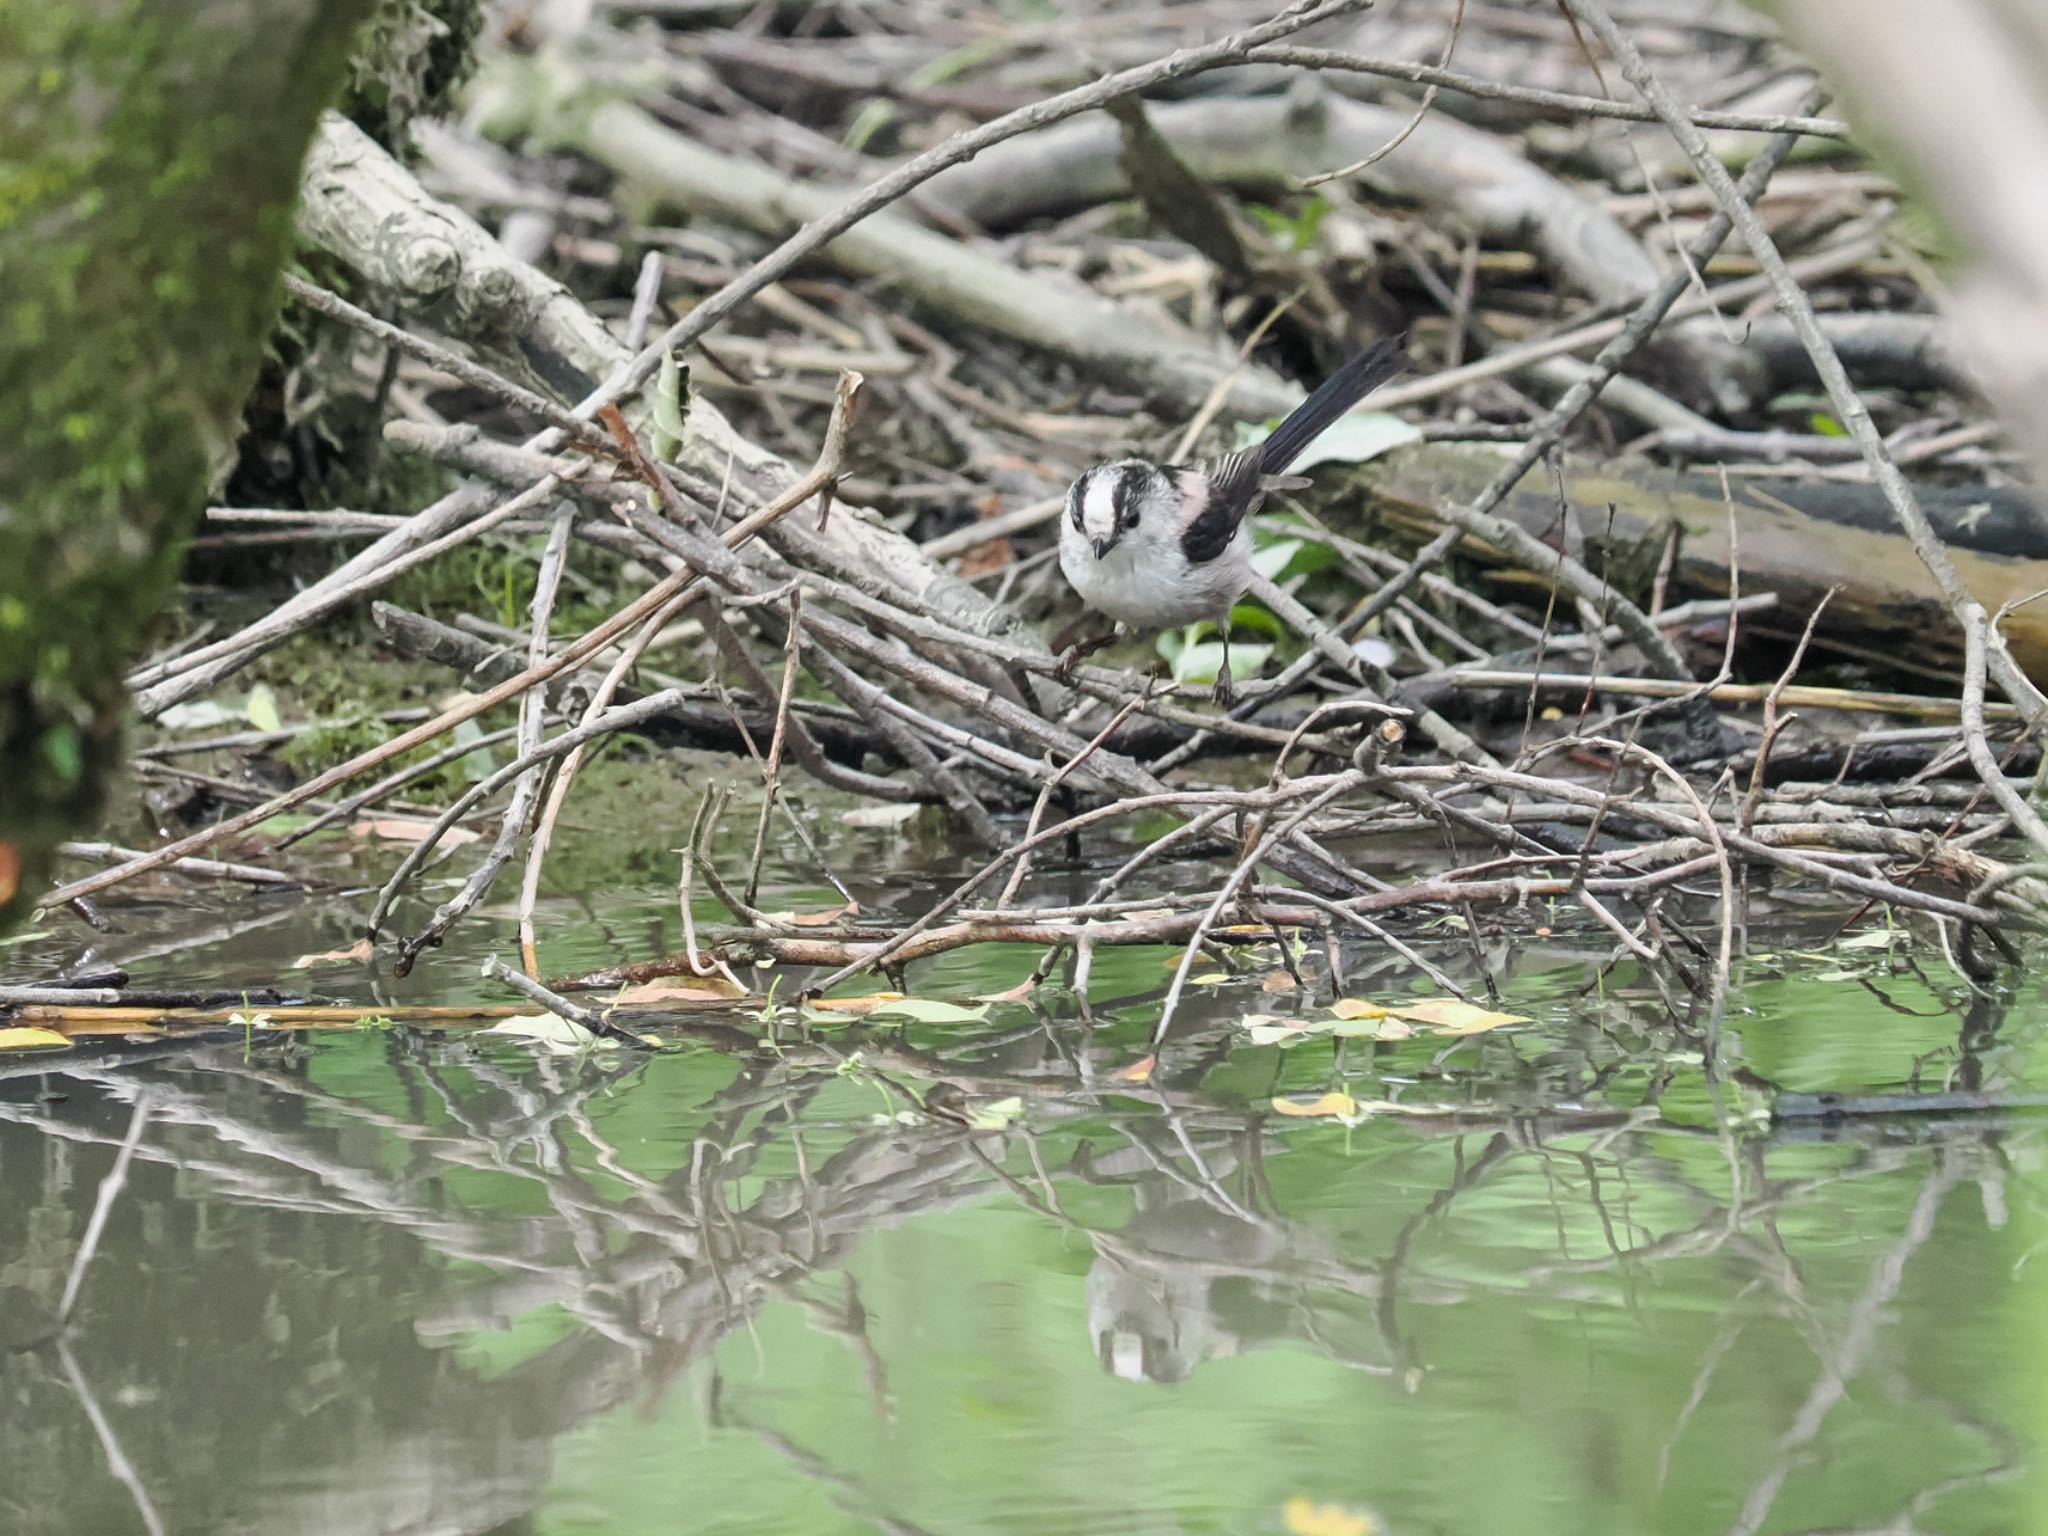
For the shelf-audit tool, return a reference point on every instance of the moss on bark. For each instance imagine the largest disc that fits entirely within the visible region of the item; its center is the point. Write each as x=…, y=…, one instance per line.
x=146, y=195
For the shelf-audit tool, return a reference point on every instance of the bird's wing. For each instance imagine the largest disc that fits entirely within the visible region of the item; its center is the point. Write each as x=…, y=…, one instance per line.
x=1228, y=486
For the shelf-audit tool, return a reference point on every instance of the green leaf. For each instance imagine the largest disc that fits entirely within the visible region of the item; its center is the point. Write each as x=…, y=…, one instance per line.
x=262, y=708
x=556, y=1035
x=1269, y=560
x=927, y=1010
x=1200, y=662
x=671, y=404
x=997, y=1115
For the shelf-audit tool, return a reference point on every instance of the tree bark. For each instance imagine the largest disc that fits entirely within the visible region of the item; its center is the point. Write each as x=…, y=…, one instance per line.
x=152, y=158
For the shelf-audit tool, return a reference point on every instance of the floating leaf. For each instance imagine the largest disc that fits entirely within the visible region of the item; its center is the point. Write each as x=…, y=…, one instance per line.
x=1368, y=1029
x=1278, y=981
x=1139, y=1071
x=1358, y=1008
x=855, y=1006
x=927, y=1010
x=826, y=918
x=1326, y=1106
x=1875, y=938
x=1449, y=1016
x=1209, y=979
x=1265, y=1029
x=562, y=1037
x=1015, y=994
x=1304, y=1517
x=996, y=1115
x=24, y=1037
x=696, y=989
x=403, y=829
x=360, y=950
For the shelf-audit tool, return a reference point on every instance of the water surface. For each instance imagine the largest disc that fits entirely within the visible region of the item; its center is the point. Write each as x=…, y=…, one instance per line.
x=396, y=1279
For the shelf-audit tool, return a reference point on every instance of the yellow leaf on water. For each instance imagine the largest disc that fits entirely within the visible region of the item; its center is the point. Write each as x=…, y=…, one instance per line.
x=1328, y=1106
x=1357, y=1008
x=1278, y=981
x=23, y=1037
x=1448, y=1016
x=1305, y=1517
x=857, y=1005
x=1139, y=1071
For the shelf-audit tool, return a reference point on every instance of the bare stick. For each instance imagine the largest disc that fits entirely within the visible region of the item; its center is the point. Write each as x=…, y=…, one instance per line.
x=476, y=375
x=1848, y=405
x=110, y=1188
x=1563, y=102
x=825, y=471
x=1413, y=123
x=779, y=262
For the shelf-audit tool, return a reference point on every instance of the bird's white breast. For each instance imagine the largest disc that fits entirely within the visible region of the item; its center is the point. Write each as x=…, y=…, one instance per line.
x=1147, y=583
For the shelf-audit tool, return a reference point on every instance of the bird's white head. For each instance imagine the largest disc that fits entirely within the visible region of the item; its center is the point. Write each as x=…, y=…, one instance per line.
x=1129, y=503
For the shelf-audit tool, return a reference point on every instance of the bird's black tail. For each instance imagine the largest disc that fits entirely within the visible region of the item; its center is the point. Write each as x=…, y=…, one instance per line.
x=1339, y=392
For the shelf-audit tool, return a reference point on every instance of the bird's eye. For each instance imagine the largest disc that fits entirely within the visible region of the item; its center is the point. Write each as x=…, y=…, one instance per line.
x=1129, y=518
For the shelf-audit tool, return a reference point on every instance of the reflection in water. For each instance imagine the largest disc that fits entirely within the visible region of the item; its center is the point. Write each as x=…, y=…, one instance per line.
x=396, y=1282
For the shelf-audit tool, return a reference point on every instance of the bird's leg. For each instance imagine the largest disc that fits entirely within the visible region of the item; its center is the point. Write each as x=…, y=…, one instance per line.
x=1076, y=653
x=1225, y=693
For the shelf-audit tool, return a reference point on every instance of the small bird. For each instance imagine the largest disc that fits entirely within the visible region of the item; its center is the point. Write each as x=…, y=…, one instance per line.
x=1156, y=546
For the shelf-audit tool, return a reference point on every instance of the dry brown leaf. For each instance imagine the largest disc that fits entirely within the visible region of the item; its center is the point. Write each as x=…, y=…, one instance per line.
x=1449, y=1016
x=1278, y=981
x=824, y=919
x=401, y=829
x=362, y=949
x=1015, y=994
x=857, y=1005
x=1328, y=1106
x=698, y=989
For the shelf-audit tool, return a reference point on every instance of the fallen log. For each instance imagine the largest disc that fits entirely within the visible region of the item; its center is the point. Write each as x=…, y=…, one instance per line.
x=1797, y=538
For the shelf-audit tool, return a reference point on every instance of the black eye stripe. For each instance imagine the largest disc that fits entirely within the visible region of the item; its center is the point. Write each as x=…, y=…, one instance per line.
x=1129, y=479
x=1075, y=496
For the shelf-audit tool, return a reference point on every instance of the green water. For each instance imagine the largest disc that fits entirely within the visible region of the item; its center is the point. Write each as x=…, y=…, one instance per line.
x=406, y=1281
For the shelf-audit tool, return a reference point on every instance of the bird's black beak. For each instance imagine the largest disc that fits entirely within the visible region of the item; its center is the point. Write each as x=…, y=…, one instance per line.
x=1104, y=546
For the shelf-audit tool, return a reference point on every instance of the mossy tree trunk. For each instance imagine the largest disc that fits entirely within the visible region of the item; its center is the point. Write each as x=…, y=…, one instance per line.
x=149, y=158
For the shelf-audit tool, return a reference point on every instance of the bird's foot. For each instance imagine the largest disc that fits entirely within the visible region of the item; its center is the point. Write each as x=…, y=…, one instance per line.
x=1074, y=655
